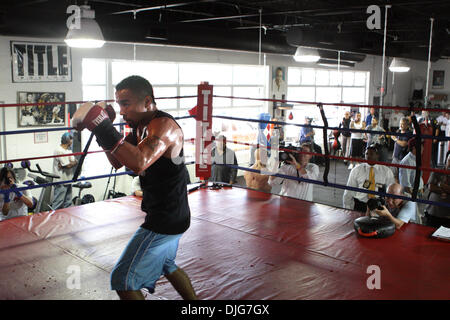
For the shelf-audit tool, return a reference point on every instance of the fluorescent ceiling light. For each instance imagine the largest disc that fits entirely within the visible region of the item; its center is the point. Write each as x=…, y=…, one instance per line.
x=306, y=55
x=334, y=64
x=87, y=34
x=398, y=65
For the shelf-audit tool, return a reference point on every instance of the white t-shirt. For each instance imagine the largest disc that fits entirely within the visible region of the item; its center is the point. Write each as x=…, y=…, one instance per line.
x=293, y=188
x=444, y=122
x=135, y=185
x=17, y=208
x=394, y=119
x=357, y=135
x=64, y=174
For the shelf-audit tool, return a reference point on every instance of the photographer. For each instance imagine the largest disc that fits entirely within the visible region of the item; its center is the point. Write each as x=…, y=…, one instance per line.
x=297, y=166
x=399, y=211
x=368, y=176
x=13, y=203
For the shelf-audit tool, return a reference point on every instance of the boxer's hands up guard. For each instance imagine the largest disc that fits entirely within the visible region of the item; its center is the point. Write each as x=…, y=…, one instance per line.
x=109, y=110
x=95, y=118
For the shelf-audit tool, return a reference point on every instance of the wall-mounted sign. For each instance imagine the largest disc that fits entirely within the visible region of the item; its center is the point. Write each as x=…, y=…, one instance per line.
x=40, y=62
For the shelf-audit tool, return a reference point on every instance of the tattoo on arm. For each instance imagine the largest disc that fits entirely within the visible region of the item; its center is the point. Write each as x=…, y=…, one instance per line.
x=153, y=142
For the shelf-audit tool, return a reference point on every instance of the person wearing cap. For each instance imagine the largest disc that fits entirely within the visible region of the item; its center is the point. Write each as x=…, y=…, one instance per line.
x=62, y=166
x=406, y=176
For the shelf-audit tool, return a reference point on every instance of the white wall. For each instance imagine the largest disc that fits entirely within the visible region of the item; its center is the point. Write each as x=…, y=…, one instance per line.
x=23, y=146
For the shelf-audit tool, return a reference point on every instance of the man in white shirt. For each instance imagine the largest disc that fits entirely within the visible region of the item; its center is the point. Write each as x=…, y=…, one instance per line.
x=366, y=176
x=62, y=166
x=443, y=122
x=394, y=120
x=406, y=177
x=299, y=167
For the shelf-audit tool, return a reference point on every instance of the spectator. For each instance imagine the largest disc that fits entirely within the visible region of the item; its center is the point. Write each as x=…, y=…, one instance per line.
x=373, y=138
x=439, y=186
x=62, y=166
x=378, y=139
x=399, y=211
x=300, y=167
x=407, y=176
x=136, y=189
x=307, y=133
x=220, y=155
x=357, y=146
x=401, y=143
x=370, y=116
x=394, y=120
x=346, y=135
x=307, y=136
x=367, y=176
x=13, y=203
x=443, y=121
x=255, y=180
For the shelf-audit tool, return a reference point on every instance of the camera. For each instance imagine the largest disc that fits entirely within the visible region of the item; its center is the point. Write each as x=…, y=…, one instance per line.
x=284, y=155
x=376, y=203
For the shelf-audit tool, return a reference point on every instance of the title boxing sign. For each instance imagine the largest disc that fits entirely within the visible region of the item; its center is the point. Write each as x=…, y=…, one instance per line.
x=37, y=62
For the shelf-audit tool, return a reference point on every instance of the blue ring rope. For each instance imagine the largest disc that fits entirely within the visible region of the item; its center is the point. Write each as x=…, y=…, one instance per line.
x=410, y=135
x=339, y=186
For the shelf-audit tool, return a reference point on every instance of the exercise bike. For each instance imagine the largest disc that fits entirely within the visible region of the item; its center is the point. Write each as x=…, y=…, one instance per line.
x=45, y=197
x=87, y=198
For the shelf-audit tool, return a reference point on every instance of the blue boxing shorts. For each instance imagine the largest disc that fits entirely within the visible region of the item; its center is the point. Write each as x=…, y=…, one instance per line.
x=147, y=257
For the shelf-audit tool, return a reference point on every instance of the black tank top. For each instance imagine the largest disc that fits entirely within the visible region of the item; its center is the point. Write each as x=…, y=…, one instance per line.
x=164, y=193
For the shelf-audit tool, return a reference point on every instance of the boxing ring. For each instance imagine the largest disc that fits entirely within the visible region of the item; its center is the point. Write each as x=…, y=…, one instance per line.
x=242, y=245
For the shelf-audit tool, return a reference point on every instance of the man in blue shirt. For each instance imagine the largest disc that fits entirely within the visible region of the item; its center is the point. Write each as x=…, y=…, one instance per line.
x=370, y=116
x=306, y=133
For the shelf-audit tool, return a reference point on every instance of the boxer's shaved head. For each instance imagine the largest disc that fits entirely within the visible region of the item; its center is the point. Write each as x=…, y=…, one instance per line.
x=138, y=85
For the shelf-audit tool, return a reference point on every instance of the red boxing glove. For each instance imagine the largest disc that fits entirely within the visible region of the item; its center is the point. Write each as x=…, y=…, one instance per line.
x=89, y=116
x=109, y=110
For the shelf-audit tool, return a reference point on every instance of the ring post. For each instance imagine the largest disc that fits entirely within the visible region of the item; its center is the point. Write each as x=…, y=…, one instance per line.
x=418, y=157
x=325, y=143
x=203, y=141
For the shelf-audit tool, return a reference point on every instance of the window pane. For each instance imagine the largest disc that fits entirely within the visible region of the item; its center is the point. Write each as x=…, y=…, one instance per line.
x=155, y=72
x=250, y=92
x=188, y=103
x=93, y=71
x=222, y=102
x=322, y=78
x=249, y=75
x=308, y=76
x=92, y=93
x=215, y=74
x=302, y=93
x=335, y=78
x=331, y=94
x=164, y=104
x=354, y=95
x=293, y=76
x=347, y=78
x=360, y=78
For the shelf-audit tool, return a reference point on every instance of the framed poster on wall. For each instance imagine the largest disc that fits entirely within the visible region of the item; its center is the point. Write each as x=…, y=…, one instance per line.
x=40, y=62
x=46, y=112
x=438, y=79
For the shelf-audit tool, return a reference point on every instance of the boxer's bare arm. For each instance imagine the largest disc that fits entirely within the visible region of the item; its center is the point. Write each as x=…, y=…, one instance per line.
x=164, y=136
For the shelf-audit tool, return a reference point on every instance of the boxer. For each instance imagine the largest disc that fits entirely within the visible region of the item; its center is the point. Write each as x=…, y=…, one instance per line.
x=153, y=151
